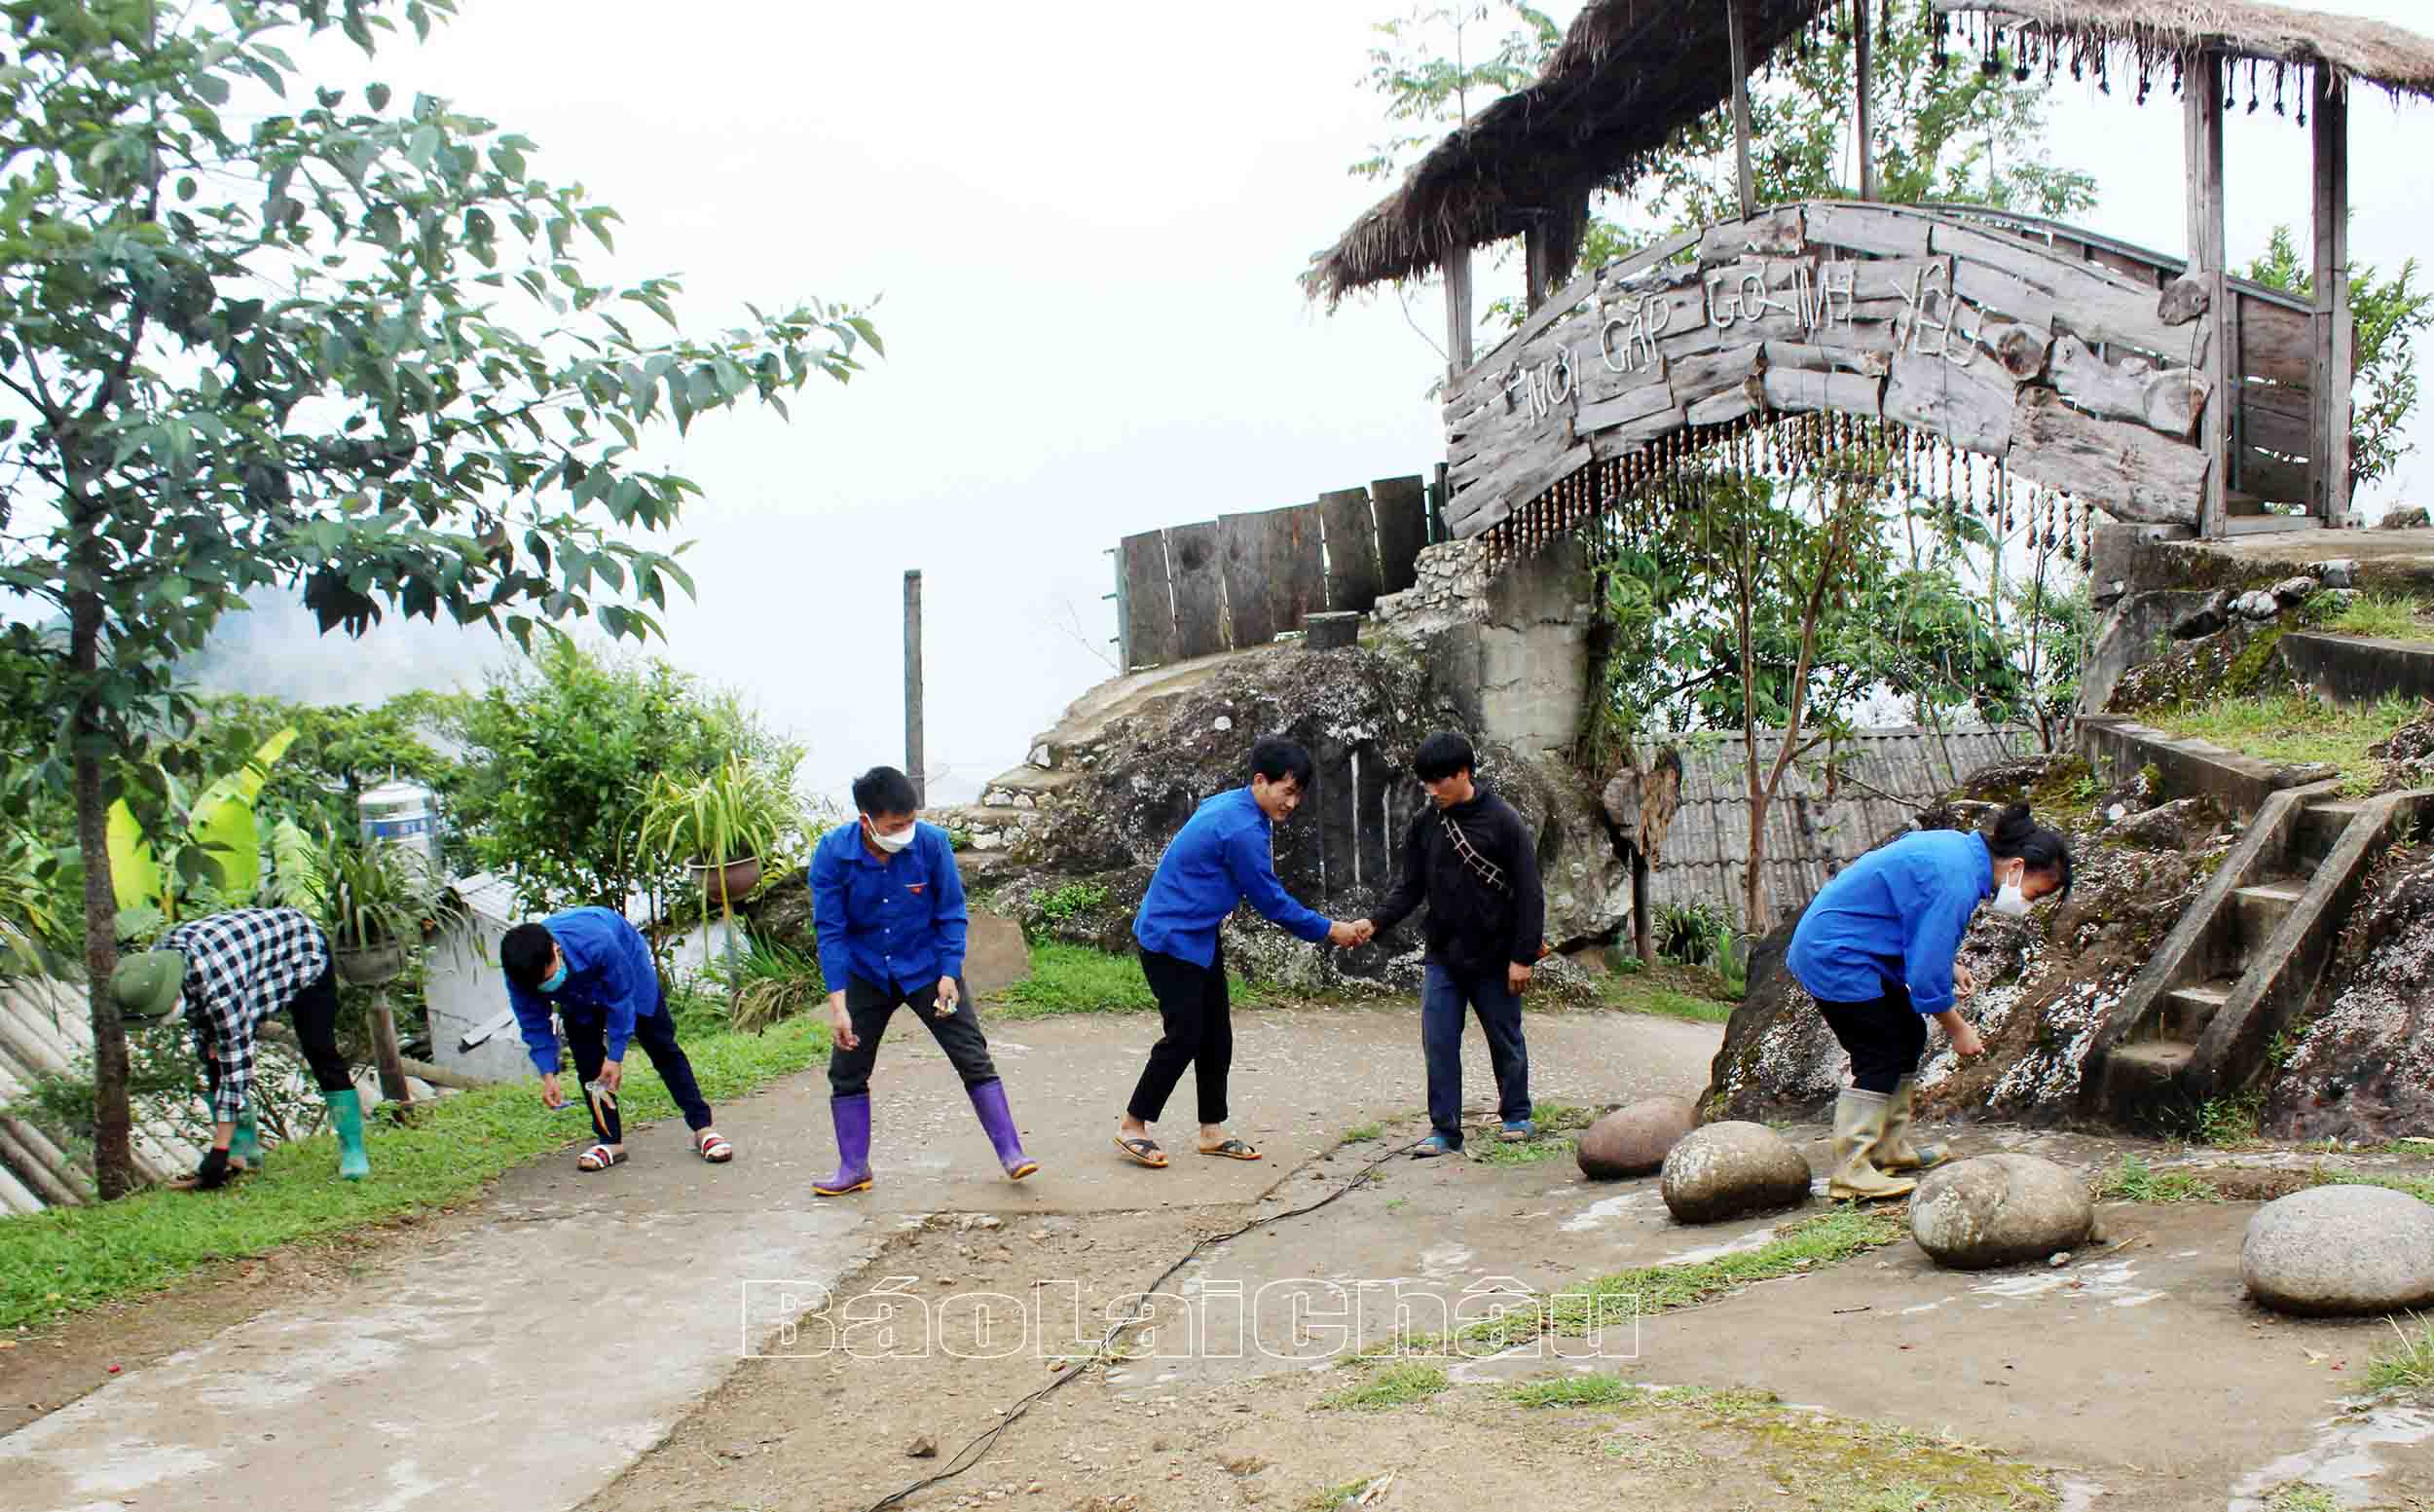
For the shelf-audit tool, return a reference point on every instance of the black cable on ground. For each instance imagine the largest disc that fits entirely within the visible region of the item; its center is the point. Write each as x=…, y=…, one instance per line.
x=972, y=1453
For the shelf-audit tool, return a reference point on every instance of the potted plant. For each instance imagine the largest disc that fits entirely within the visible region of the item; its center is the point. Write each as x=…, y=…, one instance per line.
x=379, y=902
x=719, y=825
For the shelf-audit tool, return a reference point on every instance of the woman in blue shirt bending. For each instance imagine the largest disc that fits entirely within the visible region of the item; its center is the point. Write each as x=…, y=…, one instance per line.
x=1876, y=950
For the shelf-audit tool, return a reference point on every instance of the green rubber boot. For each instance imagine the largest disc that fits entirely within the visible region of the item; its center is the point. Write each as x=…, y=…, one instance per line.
x=244, y=1148
x=346, y=1120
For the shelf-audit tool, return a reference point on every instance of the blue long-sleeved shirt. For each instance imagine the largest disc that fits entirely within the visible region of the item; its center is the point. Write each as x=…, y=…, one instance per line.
x=1224, y=853
x=897, y=921
x=1895, y=914
x=609, y=975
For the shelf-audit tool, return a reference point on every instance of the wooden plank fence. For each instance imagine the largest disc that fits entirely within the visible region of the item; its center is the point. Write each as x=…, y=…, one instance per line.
x=1243, y=580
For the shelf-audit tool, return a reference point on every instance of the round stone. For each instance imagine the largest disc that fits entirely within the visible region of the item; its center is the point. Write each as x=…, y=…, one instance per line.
x=2000, y=1210
x=1729, y=1170
x=1634, y=1141
x=2332, y=1250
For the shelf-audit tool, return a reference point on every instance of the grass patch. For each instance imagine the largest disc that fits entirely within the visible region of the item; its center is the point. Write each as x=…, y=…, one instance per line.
x=2298, y=1497
x=2389, y=616
x=1398, y=1384
x=1669, y=990
x=1842, y=1465
x=65, y=1260
x=2294, y=729
x=1335, y=1498
x=2408, y=1365
x=2134, y=1180
x=1068, y=978
x=1364, y=1133
x=1556, y=1122
x=1647, y=1290
x=1574, y=1392
x=2419, y=1187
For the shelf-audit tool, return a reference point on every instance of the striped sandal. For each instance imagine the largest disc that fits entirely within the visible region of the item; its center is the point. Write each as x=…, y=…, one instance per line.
x=598, y=1157
x=713, y=1147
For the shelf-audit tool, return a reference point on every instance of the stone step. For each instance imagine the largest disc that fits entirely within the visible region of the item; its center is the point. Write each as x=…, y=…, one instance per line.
x=2187, y=1011
x=2263, y=907
x=2144, y=1076
x=2359, y=669
x=2321, y=829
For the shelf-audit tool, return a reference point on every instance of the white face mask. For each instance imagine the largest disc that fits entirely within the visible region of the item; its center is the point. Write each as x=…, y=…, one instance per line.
x=2010, y=902
x=890, y=843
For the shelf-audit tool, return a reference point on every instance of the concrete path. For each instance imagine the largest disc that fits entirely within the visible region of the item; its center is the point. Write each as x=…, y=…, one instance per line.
x=528, y=1359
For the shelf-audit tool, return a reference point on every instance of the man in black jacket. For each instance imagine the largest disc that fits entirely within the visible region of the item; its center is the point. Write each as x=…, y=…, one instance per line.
x=1472, y=859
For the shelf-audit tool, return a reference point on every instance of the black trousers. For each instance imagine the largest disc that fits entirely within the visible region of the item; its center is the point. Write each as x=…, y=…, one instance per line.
x=588, y=1037
x=313, y=1011
x=871, y=1007
x=1884, y=1036
x=1198, y=1020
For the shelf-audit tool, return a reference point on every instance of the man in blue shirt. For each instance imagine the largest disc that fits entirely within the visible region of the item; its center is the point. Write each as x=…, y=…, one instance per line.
x=594, y=970
x=889, y=906
x=1224, y=854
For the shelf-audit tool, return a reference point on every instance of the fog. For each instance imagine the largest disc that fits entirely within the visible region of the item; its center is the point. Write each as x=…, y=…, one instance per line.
x=1082, y=225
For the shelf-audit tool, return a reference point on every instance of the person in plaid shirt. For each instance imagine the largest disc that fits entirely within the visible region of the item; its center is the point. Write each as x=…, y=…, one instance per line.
x=232, y=970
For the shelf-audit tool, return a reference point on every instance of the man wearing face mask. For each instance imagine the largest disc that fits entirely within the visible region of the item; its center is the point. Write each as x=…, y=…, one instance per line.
x=1877, y=949
x=595, y=971
x=889, y=906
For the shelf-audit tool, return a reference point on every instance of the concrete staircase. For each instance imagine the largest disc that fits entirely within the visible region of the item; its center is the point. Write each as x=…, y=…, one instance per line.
x=2201, y=1019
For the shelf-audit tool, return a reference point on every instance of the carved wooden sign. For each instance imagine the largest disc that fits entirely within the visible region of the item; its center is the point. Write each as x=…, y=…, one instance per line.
x=2061, y=365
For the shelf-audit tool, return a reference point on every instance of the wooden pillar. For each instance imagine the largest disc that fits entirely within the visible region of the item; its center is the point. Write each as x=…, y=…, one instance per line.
x=2336, y=329
x=1737, y=30
x=1537, y=269
x=1867, y=141
x=2201, y=98
x=384, y=1055
x=1458, y=315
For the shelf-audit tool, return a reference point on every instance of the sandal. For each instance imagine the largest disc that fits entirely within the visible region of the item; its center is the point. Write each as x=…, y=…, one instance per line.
x=1142, y=1152
x=713, y=1147
x=598, y=1157
x=1233, y=1149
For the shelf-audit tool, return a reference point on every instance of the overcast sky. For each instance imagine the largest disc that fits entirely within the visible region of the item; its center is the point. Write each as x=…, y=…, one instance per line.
x=1083, y=223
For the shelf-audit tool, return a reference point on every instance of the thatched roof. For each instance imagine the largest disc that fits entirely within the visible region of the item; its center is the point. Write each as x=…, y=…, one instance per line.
x=1632, y=73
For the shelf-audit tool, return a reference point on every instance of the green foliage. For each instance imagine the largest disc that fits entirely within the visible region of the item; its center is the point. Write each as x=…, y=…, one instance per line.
x=2408, y=1367
x=375, y=894
x=1686, y=932
x=2391, y=312
x=1072, y=901
x=209, y=838
x=2225, y=1122
x=65, y=1260
x=1398, y=1384
x=1556, y=1122
x=1426, y=92
x=563, y=750
x=1363, y=1133
x=2132, y=1180
x=735, y=811
x=340, y=751
x=769, y=984
x=1592, y=1390
x=2293, y=728
x=2390, y=616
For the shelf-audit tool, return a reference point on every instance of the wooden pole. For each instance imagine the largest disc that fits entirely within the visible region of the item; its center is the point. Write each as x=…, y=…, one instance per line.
x=385, y=1053
x=1643, y=927
x=1737, y=32
x=1867, y=140
x=2337, y=332
x=2201, y=98
x=1457, y=317
x=912, y=689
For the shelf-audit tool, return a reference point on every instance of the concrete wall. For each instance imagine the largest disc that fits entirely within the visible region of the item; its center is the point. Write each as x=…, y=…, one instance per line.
x=463, y=990
x=1511, y=648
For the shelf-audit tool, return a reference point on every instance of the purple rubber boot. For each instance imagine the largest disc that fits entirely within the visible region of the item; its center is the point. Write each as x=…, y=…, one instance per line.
x=988, y=1100
x=852, y=1116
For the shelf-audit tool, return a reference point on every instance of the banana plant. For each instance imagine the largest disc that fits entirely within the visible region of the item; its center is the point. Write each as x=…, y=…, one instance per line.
x=216, y=835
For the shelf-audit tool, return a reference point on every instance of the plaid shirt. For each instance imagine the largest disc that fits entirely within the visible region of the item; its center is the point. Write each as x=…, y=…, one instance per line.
x=242, y=967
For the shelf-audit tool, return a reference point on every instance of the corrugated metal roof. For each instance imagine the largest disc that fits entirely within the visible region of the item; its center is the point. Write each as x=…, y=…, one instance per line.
x=47, y=1025
x=1882, y=778
x=490, y=896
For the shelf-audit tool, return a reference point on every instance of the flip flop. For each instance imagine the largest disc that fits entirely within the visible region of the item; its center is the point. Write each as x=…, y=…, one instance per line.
x=598, y=1157
x=1233, y=1149
x=1142, y=1152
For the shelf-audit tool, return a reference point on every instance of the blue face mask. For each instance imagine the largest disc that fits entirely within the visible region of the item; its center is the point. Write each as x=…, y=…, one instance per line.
x=555, y=979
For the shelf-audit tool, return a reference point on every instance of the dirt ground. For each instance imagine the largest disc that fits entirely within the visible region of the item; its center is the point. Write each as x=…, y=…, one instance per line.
x=2134, y=1377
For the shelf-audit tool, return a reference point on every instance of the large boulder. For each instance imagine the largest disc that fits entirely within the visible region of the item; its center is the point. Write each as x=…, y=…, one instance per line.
x=1998, y=1210
x=1634, y=1141
x=2364, y=1064
x=2331, y=1251
x=1112, y=785
x=1731, y=1169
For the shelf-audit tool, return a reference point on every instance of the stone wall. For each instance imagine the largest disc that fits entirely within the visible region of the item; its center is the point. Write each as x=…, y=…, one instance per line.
x=1512, y=648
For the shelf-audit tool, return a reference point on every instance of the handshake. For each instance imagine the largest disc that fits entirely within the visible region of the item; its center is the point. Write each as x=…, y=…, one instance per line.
x=1351, y=933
